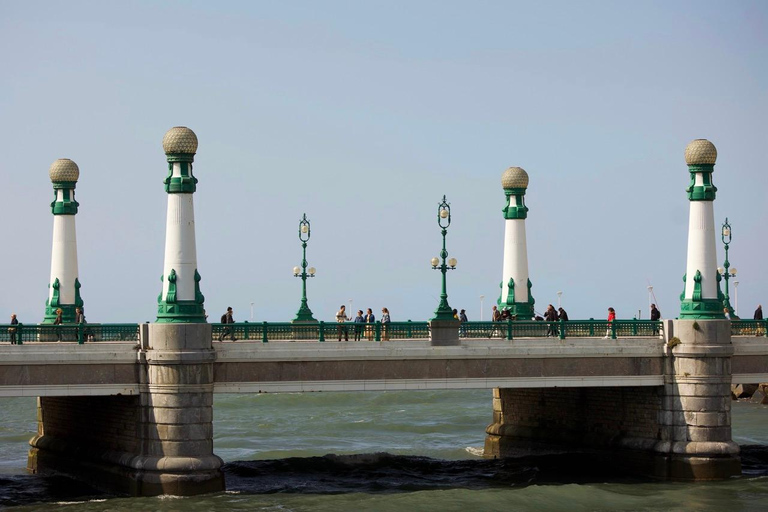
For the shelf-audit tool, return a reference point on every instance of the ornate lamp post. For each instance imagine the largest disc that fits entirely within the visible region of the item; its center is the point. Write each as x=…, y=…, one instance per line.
x=304, y=314
x=725, y=236
x=444, y=311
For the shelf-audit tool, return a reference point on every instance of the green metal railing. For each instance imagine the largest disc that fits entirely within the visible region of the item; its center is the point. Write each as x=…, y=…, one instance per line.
x=320, y=331
x=749, y=327
x=351, y=331
x=78, y=333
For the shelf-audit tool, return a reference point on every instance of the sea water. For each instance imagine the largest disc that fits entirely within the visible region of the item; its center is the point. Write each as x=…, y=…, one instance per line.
x=398, y=451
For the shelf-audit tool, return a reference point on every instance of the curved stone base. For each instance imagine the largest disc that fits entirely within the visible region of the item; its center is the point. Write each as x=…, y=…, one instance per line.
x=125, y=473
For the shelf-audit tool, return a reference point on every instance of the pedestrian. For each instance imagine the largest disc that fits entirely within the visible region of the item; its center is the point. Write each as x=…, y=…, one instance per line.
x=759, y=312
x=495, y=317
x=58, y=321
x=655, y=317
x=80, y=321
x=385, y=324
x=12, y=330
x=550, y=315
x=341, y=317
x=370, y=319
x=455, y=314
x=359, y=319
x=727, y=313
x=463, y=320
x=611, y=318
x=227, y=319
x=562, y=315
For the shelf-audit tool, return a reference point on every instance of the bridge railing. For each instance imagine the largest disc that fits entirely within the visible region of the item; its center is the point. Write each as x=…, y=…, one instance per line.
x=320, y=331
x=749, y=327
x=329, y=331
x=78, y=333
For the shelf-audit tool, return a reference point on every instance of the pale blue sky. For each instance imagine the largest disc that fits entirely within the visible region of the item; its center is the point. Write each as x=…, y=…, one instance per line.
x=362, y=115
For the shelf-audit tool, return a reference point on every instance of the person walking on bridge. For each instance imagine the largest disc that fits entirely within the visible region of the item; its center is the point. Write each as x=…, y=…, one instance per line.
x=759, y=316
x=13, y=329
x=611, y=318
x=58, y=321
x=227, y=319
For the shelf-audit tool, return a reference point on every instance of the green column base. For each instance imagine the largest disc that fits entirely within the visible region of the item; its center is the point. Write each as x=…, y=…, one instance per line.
x=183, y=311
x=706, y=308
x=67, y=314
x=523, y=310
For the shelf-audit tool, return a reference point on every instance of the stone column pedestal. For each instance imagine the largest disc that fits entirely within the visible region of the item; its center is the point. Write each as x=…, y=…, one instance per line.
x=176, y=422
x=695, y=419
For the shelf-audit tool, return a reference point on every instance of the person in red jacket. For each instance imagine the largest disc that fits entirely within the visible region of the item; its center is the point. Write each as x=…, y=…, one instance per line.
x=611, y=318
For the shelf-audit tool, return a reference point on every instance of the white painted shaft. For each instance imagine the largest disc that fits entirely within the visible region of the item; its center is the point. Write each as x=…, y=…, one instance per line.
x=515, y=260
x=64, y=258
x=701, y=250
x=180, y=247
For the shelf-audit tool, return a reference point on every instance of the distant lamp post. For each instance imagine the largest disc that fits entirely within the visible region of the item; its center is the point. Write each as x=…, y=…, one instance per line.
x=736, y=293
x=650, y=296
x=559, y=299
x=725, y=235
x=251, y=311
x=482, y=297
x=444, y=311
x=304, y=314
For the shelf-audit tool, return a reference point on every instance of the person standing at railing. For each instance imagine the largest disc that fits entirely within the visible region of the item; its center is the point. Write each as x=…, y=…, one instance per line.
x=370, y=319
x=611, y=318
x=341, y=317
x=562, y=315
x=12, y=330
x=759, y=316
x=385, y=324
x=495, y=317
x=359, y=325
x=655, y=316
x=463, y=319
x=550, y=315
x=58, y=321
x=226, y=319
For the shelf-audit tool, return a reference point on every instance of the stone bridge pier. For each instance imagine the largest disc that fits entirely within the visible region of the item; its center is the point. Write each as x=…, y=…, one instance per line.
x=160, y=442
x=681, y=430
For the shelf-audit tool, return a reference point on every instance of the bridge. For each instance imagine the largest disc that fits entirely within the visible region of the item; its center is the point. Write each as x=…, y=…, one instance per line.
x=283, y=357
x=129, y=406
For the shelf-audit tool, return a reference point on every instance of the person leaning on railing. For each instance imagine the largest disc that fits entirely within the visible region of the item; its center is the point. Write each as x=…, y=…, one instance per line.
x=359, y=322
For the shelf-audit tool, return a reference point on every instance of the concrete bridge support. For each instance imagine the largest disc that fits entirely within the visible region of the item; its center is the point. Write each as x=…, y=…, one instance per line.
x=160, y=442
x=681, y=430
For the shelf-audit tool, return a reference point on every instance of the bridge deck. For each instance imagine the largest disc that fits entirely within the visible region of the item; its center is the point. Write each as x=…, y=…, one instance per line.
x=110, y=368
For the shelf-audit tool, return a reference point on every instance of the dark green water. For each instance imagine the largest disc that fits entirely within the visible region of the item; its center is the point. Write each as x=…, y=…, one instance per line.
x=397, y=451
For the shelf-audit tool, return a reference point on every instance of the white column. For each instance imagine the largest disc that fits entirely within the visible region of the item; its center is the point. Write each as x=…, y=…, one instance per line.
x=515, y=260
x=702, y=255
x=64, y=257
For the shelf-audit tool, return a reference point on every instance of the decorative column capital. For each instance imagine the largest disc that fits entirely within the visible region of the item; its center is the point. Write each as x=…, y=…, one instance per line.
x=515, y=183
x=701, y=155
x=180, y=146
x=64, y=174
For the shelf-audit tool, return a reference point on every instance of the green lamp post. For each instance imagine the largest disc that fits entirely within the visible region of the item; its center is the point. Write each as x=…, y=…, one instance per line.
x=725, y=270
x=444, y=311
x=304, y=314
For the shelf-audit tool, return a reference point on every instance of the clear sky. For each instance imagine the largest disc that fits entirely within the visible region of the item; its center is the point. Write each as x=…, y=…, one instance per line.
x=362, y=115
